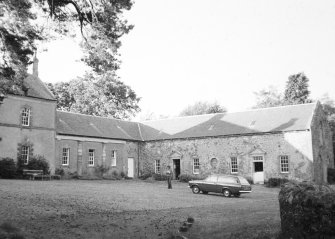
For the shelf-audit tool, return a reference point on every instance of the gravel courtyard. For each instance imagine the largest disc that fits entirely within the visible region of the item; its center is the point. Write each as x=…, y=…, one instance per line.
x=133, y=209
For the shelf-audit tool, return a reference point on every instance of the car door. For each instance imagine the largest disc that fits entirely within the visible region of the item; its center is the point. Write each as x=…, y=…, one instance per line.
x=227, y=182
x=209, y=183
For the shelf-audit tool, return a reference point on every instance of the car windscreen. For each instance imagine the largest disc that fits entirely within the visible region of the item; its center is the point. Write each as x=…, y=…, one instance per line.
x=211, y=178
x=223, y=179
x=243, y=180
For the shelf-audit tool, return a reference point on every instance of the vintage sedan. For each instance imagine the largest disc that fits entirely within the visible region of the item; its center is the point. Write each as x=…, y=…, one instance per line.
x=226, y=184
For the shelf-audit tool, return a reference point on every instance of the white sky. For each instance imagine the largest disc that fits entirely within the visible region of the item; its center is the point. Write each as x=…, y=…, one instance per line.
x=182, y=51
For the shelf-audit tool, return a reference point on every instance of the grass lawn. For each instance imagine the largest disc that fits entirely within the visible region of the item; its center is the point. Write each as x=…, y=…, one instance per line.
x=133, y=209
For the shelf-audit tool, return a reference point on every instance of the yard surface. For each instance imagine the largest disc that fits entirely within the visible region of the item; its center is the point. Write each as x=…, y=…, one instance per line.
x=133, y=209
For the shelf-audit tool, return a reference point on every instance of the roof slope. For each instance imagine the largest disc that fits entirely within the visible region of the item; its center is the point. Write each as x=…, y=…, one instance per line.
x=266, y=120
x=92, y=126
x=37, y=89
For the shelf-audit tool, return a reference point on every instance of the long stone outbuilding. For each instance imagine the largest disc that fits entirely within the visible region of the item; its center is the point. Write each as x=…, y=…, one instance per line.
x=292, y=142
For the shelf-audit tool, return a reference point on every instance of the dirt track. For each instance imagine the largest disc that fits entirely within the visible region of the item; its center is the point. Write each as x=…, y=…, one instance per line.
x=132, y=209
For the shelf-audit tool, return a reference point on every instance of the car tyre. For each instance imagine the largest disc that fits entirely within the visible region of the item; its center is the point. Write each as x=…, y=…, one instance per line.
x=226, y=193
x=195, y=189
x=204, y=192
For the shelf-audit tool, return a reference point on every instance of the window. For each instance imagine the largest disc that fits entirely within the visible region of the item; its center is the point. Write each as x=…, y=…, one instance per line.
x=25, y=154
x=65, y=156
x=113, y=163
x=196, y=166
x=284, y=164
x=25, y=117
x=258, y=158
x=157, y=166
x=233, y=163
x=212, y=178
x=91, y=157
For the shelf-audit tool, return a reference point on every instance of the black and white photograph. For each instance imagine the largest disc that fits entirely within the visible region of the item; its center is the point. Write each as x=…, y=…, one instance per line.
x=167, y=119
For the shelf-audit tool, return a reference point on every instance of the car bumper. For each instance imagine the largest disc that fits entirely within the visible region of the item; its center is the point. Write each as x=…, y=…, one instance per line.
x=245, y=191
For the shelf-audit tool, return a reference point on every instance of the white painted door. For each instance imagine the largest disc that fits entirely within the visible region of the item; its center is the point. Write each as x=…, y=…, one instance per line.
x=130, y=167
x=258, y=172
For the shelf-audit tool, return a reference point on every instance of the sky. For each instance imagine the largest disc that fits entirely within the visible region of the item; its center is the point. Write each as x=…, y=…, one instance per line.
x=183, y=51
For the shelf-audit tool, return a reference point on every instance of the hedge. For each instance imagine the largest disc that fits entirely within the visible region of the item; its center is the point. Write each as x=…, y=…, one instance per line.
x=7, y=168
x=276, y=182
x=307, y=211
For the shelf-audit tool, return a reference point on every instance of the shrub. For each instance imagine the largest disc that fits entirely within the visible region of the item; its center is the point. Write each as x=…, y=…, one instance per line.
x=38, y=162
x=276, y=182
x=331, y=175
x=7, y=168
x=159, y=177
x=59, y=171
x=307, y=210
x=186, y=177
x=122, y=174
x=145, y=176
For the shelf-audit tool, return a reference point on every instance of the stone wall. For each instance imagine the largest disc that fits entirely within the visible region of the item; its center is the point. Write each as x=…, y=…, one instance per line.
x=79, y=151
x=296, y=145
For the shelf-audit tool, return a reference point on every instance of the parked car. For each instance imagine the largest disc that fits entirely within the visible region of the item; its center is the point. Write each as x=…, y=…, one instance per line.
x=226, y=184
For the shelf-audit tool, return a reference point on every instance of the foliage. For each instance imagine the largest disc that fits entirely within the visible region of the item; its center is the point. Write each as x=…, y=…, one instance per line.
x=101, y=24
x=101, y=170
x=18, y=34
x=186, y=177
x=331, y=175
x=9, y=231
x=101, y=95
x=59, y=171
x=268, y=98
x=145, y=176
x=7, y=168
x=200, y=108
x=307, y=210
x=122, y=174
x=38, y=162
x=160, y=177
x=276, y=182
x=296, y=91
x=328, y=105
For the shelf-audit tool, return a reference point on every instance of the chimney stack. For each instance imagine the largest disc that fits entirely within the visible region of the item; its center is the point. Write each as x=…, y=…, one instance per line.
x=35, y=65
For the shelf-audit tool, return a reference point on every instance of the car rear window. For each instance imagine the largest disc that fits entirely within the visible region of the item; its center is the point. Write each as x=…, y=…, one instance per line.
x=243, y=180
x=223, y=179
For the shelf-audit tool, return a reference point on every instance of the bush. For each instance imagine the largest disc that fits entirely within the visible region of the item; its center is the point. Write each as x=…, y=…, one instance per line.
x=145, y=176
x=307, y=210
x=122, y=174
x=38, y=162
x=331, y=175
x=7, y=168
x=276, y=182
x=160, y=177
x=59, y=171
x=186, y=177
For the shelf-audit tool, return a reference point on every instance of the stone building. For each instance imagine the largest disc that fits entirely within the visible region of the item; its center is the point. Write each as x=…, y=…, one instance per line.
x=289, y=141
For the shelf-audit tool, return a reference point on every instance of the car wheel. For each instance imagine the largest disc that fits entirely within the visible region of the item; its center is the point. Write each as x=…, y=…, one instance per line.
x=226, y=193
x=195, y=189
x=204, y=192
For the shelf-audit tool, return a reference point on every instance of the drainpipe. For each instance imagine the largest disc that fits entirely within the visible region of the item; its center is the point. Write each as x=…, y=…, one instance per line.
x=138, y=159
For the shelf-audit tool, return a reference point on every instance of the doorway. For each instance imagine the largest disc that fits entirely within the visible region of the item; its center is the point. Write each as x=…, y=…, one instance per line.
x=176, y=168
x=130, y=167
x=258, y=172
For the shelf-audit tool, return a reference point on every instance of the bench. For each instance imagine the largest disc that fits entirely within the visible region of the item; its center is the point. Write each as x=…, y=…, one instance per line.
x=34, y=174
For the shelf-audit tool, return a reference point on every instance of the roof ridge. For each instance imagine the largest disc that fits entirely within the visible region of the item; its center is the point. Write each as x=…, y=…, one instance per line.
x=94, y=116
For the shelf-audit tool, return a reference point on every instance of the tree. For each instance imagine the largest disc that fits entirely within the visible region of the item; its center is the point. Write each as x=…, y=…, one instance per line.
x=200, y=108
x=296, y=91
x=101, y=95
x=328, y=105
x=101, y=24
x=268, y=98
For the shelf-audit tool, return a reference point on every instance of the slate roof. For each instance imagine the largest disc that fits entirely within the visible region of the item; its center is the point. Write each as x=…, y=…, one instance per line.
x=37, y=89
x=267, y=120
x=99, y=127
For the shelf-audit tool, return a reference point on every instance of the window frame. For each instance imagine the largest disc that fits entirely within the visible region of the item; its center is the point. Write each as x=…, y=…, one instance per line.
x=65, y=157
x=284, y=165
x=196, y=164
x=113, y=158
x=157, y=166
x=233, y=164
x=25, y=116
x=91, y=158
x=25, y=154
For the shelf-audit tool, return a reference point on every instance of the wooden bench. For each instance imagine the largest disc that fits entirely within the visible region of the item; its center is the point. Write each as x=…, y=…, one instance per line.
x=34, y=174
